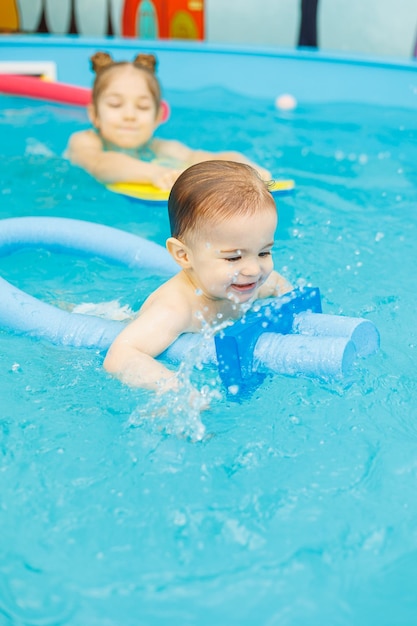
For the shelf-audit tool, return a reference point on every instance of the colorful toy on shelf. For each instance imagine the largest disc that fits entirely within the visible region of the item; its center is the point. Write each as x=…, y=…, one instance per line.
x=164, y=19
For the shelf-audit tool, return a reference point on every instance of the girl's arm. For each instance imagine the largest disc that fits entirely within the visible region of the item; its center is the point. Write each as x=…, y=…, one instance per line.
x=201, y=155
x=86, y=150
x=179, y=151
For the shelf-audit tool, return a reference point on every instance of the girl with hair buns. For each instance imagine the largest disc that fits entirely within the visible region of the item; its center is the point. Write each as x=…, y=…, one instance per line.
x=125, y=112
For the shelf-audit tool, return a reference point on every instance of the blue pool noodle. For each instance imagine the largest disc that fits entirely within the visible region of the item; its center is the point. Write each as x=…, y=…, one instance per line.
x=361, y=332
x=328, y=357
x=303, y=340
x=308, y=343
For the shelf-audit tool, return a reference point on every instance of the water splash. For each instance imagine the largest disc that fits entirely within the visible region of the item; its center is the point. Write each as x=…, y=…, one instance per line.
x=111, y=310
x=37, y=148
x=179, y=412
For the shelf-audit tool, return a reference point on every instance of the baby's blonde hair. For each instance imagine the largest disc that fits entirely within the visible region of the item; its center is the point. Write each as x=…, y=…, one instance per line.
x=103, y=66
x=215, y=190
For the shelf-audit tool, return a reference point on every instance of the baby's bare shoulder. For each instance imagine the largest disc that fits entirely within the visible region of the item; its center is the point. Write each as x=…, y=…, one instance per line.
x=174, y=300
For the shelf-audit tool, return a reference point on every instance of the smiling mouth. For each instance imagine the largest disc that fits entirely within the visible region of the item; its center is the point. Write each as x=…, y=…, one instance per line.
x=244, y=288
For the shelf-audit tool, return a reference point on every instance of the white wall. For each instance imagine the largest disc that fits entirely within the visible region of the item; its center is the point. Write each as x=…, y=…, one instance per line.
x=264, y=22
x=375, y=27
x=382, y=27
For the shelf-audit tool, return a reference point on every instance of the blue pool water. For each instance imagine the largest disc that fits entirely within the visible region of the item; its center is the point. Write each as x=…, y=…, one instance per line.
x=298, y=505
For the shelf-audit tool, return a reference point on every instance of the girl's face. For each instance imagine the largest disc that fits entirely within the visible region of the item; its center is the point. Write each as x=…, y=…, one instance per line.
x=126, y=113
x=232, y=259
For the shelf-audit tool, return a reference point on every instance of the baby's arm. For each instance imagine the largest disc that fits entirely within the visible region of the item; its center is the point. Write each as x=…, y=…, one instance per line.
x=131, y=357
x=275, y=285
x=86, y=150
x=181, y=152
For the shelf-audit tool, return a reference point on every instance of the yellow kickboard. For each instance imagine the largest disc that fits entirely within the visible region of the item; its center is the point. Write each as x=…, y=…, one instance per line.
x=140, y=191
x=150, y=193
x=281, y=186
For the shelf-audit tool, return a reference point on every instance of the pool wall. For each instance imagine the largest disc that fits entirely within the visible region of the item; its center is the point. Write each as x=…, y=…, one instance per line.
x=311, y=76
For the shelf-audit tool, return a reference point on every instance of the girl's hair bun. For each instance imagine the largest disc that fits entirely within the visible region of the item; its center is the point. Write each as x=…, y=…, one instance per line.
x=100, y=60
x=147, y=61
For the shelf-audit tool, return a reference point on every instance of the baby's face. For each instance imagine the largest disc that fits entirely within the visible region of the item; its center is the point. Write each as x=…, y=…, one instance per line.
x=126, y=113
x=232, y=259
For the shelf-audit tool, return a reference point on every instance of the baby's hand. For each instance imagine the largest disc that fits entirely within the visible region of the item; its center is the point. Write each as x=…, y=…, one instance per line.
x=165, y=177
x=185, y=393
x=199, y=400
x=177, y=408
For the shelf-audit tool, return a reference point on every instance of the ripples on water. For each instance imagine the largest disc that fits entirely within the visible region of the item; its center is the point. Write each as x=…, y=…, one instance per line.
x=294, y=507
